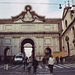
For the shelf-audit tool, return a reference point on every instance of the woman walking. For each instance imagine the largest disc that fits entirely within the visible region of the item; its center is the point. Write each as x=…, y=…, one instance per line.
x=51, y=64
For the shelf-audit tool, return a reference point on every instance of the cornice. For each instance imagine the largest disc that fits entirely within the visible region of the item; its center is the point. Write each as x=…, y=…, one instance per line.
x=7, y=33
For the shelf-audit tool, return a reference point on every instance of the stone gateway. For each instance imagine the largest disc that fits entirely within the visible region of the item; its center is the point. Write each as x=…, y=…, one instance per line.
x=32, y=29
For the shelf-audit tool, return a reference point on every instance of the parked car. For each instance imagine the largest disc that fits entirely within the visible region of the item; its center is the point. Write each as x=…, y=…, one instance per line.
x=18, y=59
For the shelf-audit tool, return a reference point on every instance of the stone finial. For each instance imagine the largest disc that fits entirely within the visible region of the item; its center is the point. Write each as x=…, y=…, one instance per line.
x=68, y=3
x=65, y=4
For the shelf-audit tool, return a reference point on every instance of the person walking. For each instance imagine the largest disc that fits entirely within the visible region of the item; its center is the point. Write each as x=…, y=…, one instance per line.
x=35, y=64
x=51, y=64
x=25, y=62
x=44, y=61
x=30, y=61
x=57, y=60
x=6, y=63
x=61, y=60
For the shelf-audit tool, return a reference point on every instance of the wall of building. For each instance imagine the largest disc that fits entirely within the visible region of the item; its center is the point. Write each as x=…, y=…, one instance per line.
x=68, y=31
x=29, y=27
x=12, y=37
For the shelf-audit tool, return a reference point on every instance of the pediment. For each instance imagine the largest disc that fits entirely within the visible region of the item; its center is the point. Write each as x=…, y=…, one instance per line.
x=28, y=16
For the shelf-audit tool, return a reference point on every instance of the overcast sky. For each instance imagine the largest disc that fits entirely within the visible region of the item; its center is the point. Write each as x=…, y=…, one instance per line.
x=47, y=8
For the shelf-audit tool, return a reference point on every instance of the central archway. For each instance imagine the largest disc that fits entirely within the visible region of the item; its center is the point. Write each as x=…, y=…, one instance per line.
x=28, y=40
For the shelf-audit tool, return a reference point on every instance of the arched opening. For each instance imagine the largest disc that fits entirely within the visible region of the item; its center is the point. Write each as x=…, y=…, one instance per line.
x=27, y=47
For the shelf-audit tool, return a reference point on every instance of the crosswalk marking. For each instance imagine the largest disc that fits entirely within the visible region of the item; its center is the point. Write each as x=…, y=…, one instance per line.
x=1, y=66
x=58, y=66
x=46, y=67
x=54, y=67
x=15, y=67
x=72, y=65
x=67, y=66
x=21, y=66
x=64, y=66
x=40, y=67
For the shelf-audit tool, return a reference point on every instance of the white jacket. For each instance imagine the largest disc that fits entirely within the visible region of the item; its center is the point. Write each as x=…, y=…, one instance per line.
x=51, y=61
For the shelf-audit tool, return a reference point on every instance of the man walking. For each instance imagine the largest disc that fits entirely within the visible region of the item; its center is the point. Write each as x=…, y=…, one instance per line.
x=25, y=62
x=35, y=64
x=61, y=60
x=57, y=60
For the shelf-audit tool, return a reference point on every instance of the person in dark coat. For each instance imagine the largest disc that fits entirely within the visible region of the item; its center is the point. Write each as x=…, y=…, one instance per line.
x=57, y=60
x=30, y=62
x=35, y=64
x=61, y=60
x=6, y=63
x=25, y=62
x=44, y=61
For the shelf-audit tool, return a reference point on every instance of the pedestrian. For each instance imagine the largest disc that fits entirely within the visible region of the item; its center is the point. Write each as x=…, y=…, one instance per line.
x=6, y=63
x=44, y=61
x=51, y=64
x=25, y=62
x=0, y=58
x=61, y=60
x=35, y=64
x=30, y=61
x=57, y=60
